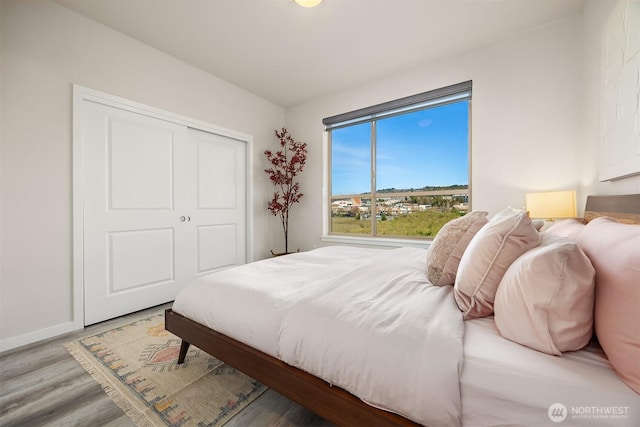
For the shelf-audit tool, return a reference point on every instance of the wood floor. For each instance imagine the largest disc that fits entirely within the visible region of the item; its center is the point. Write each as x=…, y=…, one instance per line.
x=42, y=385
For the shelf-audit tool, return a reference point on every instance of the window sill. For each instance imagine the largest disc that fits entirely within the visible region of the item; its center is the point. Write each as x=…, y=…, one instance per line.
x=376, y=242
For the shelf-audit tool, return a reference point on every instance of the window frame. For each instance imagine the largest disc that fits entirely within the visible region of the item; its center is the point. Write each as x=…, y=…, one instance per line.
x=430, y=99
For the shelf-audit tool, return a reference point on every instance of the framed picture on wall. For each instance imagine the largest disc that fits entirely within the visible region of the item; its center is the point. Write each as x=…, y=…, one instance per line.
x=620, y=156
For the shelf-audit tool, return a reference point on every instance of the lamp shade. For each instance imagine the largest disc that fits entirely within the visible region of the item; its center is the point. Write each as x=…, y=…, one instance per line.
x=308, y=3
x=552, y=204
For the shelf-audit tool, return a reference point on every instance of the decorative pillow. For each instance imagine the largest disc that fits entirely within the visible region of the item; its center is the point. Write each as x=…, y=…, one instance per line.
x=570, y=228
x=545, y=299
x=614, y=250
x=448, y=246
x=537, y=223
x=491, y=251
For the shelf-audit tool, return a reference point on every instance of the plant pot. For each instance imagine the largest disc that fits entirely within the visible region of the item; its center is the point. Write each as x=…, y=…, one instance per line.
x=273, y=254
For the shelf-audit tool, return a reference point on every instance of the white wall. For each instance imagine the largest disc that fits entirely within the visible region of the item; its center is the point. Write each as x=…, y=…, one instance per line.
x=536, y=117
x=45, y=49
x=526, y=119
x=596, y=13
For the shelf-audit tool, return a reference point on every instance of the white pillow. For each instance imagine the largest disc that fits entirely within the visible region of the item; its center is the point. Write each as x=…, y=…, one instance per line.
x=491, y=251
x=537, y=224
x=545, y=299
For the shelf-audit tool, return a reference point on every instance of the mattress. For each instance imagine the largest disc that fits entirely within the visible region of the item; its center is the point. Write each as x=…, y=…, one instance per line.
x=366, y=320
x=504, y=383
x=247, y=302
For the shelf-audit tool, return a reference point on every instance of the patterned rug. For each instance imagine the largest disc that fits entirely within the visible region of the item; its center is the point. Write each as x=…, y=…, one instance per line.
x=136, y=365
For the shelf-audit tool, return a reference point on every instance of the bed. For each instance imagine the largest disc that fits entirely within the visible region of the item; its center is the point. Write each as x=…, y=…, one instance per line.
x=364, y=337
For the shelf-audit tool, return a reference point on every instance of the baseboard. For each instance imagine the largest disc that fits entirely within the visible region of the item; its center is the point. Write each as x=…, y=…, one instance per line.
x=35, y=336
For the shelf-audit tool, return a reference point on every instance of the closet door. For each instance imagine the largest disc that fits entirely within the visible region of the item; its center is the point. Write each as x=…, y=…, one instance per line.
x=217, y=200
x=163, y=204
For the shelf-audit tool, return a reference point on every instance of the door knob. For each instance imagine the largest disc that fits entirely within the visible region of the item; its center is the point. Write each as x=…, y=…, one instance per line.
x=182, y=219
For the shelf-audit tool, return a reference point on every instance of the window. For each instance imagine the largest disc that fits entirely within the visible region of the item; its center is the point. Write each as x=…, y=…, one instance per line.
x=401, y=169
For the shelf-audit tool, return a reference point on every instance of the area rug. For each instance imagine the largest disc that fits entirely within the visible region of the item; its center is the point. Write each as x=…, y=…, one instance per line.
x=136, y=365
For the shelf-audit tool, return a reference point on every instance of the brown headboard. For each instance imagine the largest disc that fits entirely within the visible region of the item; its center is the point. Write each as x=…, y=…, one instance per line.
x=623, y=208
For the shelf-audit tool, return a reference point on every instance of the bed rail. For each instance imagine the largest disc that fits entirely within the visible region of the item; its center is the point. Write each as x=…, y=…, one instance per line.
x=332, y=403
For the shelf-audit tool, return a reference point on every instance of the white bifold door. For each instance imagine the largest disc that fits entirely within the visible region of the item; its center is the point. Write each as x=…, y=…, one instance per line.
x=163, y=203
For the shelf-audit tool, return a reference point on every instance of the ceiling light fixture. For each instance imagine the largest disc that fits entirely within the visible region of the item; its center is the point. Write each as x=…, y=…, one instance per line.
x=308, y=3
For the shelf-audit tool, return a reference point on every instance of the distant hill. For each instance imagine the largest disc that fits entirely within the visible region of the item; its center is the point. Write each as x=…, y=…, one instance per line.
x=426, y=188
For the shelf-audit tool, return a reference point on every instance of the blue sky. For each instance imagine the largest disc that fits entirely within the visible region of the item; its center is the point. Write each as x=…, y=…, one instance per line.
x=428, y=147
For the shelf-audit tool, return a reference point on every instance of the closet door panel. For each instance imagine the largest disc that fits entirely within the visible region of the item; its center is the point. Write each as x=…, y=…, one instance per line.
x=141, y=258
x=217, y=173
x=219, y=209
x=216, y=247
x=140, y=165
x=134, y=252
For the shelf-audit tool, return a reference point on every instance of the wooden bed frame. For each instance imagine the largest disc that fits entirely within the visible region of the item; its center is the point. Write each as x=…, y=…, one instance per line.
x=625, y=209
x=333, y=403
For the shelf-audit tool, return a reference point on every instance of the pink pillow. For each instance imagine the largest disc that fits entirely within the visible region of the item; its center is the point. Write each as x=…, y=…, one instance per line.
x=569, y=228
x=545, y=299
x=448, y=246
x=491, y=251
x=614, y=250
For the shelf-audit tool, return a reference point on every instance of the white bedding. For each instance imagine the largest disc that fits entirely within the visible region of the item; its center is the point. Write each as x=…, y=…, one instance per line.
x=364, y=319
x=505, y=383
x=335, y=302
x=247, y=302
x=386, y=335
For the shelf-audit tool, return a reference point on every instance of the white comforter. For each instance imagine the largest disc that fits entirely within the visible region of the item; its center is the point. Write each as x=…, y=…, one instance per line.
x=386, y=335
x=365, y=320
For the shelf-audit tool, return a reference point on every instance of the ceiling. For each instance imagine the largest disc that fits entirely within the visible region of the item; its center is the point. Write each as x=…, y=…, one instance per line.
x=288, y=54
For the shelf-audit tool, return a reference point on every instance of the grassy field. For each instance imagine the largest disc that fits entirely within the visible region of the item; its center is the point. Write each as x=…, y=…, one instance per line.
x=417, y=224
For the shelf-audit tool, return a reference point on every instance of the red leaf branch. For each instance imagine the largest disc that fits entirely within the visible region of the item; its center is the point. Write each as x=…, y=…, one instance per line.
x=286, y=164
